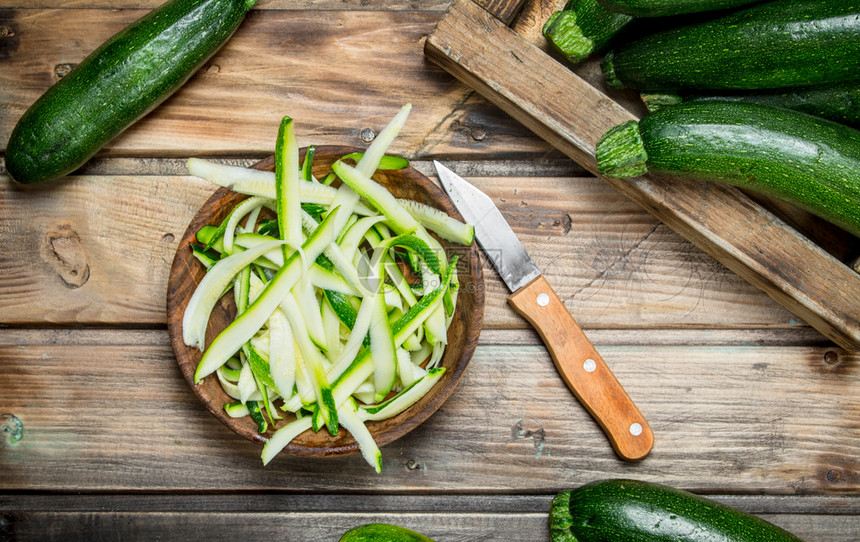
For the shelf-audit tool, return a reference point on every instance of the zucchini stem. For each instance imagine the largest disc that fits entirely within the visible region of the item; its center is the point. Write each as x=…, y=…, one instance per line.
x=621, y=152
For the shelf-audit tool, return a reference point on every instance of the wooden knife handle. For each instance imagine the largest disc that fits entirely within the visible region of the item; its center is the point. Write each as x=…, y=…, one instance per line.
x=584, y=371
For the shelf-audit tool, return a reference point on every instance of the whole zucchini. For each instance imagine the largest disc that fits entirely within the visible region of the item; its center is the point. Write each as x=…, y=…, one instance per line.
x=583, y=27
x=120, y=82
x=778, y=44
x=382, y=532
x=629, y=510
x=808, y=161
x=839, y=102
x=663, y=8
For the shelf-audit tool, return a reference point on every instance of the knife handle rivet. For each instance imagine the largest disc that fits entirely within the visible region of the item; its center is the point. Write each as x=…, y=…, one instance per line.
x=589, y=365
x=543, y=300
x=635, y=429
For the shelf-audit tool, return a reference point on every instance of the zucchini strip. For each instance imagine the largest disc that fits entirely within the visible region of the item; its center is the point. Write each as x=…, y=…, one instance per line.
x=404, y=399
x=380, y=198
x=232, y=388
x=336, y=256
x=309, y=308
x=393, y=271
x=370, y=159
x=282, y=356
x=318, y=379
x=439, y=222
x=251, y=204
x=366, y=445
x=287, y=185
x=331, y=327
x=248, y=323
x=246, y=385
x=360, y=328
x=384, y=350
x=362, y=367
x=236, y=410
x=308, y=164
x=210, y=290
x=254, y=182
x=283, y=436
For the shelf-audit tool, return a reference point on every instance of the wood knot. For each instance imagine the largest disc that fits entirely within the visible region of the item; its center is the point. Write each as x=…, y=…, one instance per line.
x=65, y=252
x=528, y=429
x=9, y=41
x=62, y=70
x=474, y=131
x=834, y=476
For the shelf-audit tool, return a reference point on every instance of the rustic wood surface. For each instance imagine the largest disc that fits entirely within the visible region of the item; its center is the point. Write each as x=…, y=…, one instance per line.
x=748, y=403
x=566, y=110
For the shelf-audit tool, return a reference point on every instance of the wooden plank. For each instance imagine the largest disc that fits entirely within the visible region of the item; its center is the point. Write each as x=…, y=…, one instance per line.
x=285, y=501
x=833, y=517
x=97, y=250
x=760, y=420
x=525, y=169
x=572, y=115
x=338, y=74
x=525, y=336
x=327, y=527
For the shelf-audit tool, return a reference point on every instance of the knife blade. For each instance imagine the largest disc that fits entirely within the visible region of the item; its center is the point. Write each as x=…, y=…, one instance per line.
x=580, y=365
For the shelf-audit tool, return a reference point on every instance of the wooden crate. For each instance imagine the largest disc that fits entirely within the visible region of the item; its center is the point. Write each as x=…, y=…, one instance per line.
x=474, y=42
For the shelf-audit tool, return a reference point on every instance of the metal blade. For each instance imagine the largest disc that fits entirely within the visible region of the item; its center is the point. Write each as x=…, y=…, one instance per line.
x=495, y=236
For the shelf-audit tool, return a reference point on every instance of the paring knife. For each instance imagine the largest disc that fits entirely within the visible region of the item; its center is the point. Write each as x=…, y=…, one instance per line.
x=576, y=359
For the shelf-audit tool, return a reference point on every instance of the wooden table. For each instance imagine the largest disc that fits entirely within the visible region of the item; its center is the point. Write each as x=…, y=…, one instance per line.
x=748, y=404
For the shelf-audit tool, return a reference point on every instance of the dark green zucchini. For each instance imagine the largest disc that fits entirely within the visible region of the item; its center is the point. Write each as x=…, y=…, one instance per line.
x=839, y=102
x=808, y=161
x=582, y=28
x=120, y=82
x=629, y=510
x=779, y=44
x=664, y=8
x=382, y=532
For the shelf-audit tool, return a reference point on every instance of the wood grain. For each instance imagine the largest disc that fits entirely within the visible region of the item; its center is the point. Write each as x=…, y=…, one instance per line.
x=752, y=405
x=572, y=115
x=593, y=385
x=742, y=420
x=319, y=69
x=286, y=501
x=612, y=263
x=503, y=10
x=439, y=525
x=186, y=273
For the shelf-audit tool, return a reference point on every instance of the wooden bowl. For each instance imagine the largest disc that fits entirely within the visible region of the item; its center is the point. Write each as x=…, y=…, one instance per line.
x=186, y=273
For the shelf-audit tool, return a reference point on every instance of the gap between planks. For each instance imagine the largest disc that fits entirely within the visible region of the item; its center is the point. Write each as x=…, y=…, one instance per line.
x=150, y=166
x=381, y=503
x=474, y=503
x=509, y=336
